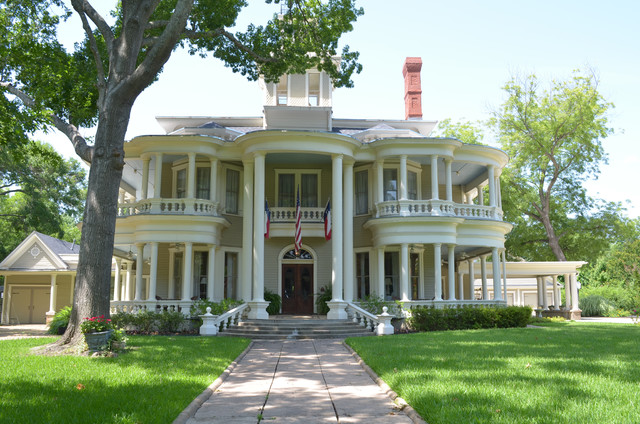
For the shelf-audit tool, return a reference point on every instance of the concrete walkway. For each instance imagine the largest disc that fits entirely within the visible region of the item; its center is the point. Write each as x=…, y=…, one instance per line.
x=301, y=381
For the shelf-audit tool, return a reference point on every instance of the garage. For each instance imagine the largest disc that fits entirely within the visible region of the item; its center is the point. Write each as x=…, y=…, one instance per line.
x=29, y=305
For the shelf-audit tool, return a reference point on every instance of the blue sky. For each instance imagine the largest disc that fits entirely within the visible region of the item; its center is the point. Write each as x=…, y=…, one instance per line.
x=469, y=49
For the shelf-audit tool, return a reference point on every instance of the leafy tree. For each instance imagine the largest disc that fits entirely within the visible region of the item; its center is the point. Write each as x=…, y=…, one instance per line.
x=39, y=190
x=467, y=132
x=553, y=137
x=105, y=74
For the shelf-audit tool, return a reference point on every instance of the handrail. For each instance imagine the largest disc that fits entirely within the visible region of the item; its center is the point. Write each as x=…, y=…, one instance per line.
x=364, y=318
x=281, y=214
x=230, y=318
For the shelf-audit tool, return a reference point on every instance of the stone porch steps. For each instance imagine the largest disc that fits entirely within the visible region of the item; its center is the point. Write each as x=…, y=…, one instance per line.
x=295, y=329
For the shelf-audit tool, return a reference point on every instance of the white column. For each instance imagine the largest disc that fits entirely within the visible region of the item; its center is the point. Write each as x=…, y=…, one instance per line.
x=187, y=272
x=434, y=177
x=337, y=233
x=258, y=228
x=483, y=271
x=567, y=292
x=145, y=177
x=404, y=272
x=172, y=278
x=539, y=291
x=348, y=274
x=153, y=273
x=556, y=294
x=53, y=295
x=504, y=275
x=480, y=195
x=211, y=273
x=380, y=262
x=492, y=185
x=574, y=293
x=495, y=258
x=379, y=181
x=437, y=267
x=545, y=302
x=451, y=271
x=157, y=180
x=472, y=279
x=191, y=176
x=213, y=180
x=129, y=282
x=498, y=189
x=460, y=282
x=448, y=179
x=403, y=177
x=469, y=198
x=246, y=270
x=139, y=268
x=116, y=281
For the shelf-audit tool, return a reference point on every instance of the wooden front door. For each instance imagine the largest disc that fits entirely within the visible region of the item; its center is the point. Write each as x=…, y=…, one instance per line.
x=297, y=289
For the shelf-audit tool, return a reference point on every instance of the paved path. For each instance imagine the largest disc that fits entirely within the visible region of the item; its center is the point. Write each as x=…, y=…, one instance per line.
x=302, y=381
x=10, y=332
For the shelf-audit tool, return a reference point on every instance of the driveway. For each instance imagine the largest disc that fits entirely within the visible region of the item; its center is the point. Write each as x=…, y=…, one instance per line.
x=9, y=332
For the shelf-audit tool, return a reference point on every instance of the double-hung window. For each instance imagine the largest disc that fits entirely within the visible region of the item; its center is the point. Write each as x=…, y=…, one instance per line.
x=232, y=192
x=288, y=182
x=362, y=192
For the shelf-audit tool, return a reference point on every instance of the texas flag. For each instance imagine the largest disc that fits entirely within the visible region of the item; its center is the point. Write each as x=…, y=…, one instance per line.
x=326, y=217
x=267, y=219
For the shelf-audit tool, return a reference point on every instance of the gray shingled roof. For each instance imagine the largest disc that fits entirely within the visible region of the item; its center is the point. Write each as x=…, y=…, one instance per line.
x=59, y=247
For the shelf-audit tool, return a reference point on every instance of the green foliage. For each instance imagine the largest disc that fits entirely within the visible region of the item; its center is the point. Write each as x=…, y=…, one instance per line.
x=96, y=324
x=374, y=304
x=322, y=298
x=619, y=296
x=169, y=321
x=432, y=319
x=275, y=302
x=60, y=321
x=596, y=306
x=467, y=132
x=39, y=190
x=145, y=320
x=199, y=307
x=554, y=140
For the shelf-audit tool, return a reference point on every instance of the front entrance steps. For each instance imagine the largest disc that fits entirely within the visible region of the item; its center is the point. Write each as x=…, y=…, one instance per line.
x=296, y=327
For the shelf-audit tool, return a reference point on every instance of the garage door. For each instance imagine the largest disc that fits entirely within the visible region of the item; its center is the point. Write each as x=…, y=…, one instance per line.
x=29, y=305
x=531, y=299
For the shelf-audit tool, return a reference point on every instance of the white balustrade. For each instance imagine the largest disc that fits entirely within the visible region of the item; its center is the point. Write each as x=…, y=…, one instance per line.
x=170, y=206
x=434, y=207
x=289, y=214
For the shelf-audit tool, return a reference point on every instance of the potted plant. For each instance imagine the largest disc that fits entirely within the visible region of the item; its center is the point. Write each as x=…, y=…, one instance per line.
x=97, y=331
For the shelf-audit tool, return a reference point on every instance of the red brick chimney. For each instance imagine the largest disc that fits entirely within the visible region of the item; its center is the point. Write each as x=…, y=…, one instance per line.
x=412, y=88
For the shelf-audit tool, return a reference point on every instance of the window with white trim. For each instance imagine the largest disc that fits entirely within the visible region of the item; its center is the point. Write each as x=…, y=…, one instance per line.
x=362, y=192
x=232, y=190
x=288, y=181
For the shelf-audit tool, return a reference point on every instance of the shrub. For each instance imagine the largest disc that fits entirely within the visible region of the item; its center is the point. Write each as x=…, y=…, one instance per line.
x=199, y=307
x=620, y=297
x=60, y=321
x=324, y=296
x=170, y=321
x=374, y=304
x=145, y=321
x=122, y=319
x=596, y=306
x=276, y=302
x=431, y=319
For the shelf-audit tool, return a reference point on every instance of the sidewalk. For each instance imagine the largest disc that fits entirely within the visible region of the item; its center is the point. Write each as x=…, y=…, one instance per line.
x=302, y=381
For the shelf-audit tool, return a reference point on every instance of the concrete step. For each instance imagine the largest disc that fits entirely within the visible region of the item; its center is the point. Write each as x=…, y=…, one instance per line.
x=280, y=329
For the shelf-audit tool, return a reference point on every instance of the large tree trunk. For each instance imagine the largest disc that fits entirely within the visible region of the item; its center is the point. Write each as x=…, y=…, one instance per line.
x=93, y=281
x=554, y=242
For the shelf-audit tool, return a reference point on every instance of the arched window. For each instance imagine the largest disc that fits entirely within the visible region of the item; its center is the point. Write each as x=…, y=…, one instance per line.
x=291, y=254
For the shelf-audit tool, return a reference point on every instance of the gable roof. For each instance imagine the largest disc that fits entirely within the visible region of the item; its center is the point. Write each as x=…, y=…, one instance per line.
x=52, y=248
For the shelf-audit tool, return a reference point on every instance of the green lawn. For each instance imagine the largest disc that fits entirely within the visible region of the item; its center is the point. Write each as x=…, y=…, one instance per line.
x=571, y=373
x=152, y=383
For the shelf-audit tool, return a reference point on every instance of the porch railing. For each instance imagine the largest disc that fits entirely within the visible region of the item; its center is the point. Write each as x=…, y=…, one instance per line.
x=437, y=208
x=169, y=206
x=289, y=214
x=229, y=318
x=360, y=316
x=442, y=304
x=133, y=306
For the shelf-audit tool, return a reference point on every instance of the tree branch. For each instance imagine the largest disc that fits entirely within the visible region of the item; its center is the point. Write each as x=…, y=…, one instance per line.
x=82, y=7
x=17, y=190
x=97, y=58
x=82, y=149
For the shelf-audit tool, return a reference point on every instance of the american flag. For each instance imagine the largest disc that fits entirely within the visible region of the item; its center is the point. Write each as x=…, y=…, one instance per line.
x=326, y=217
x=267, y=219
x=298, y=234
